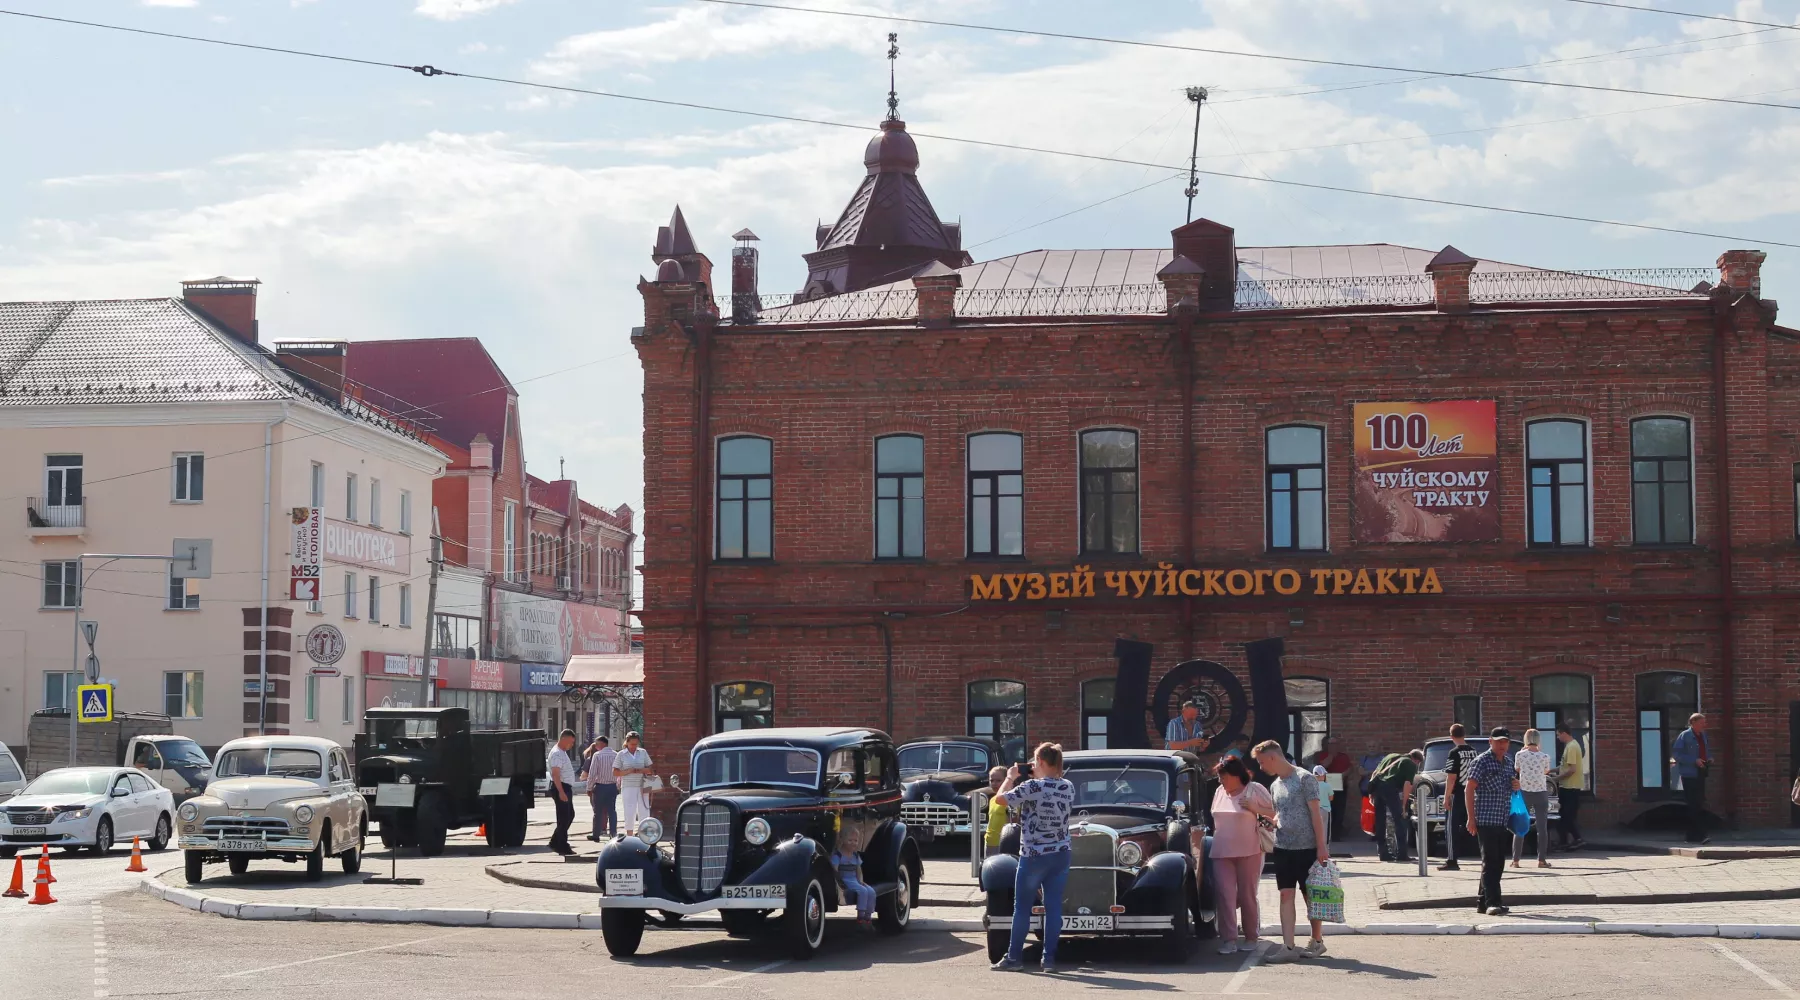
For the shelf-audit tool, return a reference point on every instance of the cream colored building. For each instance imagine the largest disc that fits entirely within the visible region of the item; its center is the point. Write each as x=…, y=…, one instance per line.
x=126, y=425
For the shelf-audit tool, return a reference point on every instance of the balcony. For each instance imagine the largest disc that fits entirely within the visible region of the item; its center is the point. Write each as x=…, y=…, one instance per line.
x=44, y=520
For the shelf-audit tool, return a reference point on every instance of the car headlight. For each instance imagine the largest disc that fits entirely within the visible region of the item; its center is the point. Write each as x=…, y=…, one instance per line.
x=71, y=815
x=649, y=831
x=1130, y=853
x=304, y=814
x=757, y=831
x=188, y=812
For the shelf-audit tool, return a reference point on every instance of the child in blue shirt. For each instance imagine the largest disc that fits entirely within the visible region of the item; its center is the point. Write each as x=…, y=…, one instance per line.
x=847, y=863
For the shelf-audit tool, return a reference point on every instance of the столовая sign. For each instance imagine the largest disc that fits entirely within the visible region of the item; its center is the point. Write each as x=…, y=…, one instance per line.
x=1167, y=581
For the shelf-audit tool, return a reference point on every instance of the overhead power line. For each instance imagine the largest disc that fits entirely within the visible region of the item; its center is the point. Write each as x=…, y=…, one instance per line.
x=1683, y=13
x=1241, y=53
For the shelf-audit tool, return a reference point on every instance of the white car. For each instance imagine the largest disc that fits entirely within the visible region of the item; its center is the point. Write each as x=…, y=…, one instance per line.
x=12, y=777
x=288, y=798
x=92, y=807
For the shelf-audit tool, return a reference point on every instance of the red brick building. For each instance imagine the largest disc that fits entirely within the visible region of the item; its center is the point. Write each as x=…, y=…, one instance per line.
x=1456, y=488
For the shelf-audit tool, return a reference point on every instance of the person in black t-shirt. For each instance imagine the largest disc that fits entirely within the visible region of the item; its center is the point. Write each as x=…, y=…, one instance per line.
x=1457, y=815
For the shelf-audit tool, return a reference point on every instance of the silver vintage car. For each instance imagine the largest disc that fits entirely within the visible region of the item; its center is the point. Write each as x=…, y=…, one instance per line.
x=292, y=798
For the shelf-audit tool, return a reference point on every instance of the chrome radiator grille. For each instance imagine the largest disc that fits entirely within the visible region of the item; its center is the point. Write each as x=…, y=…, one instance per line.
x=932, y=814
x=29, y=817
x=245, y=826
x=703, y=845
x=1093, y=849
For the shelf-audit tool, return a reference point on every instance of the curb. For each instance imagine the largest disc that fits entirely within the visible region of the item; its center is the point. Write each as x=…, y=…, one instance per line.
x=1593, y=899
x=1706, y=852
x=560, y=920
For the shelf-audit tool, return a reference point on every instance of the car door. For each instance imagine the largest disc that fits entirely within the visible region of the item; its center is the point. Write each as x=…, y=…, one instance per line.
x=341, y=804
x=147, y=798
x=123, y=806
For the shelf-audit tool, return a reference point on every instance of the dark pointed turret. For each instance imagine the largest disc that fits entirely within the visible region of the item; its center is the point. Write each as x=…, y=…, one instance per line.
x=675, y=243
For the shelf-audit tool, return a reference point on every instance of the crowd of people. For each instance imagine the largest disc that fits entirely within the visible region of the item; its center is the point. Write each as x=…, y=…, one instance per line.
x=617, y=782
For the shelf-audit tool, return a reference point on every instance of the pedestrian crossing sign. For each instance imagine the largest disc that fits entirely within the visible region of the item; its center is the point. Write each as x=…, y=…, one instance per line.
x=94, y=703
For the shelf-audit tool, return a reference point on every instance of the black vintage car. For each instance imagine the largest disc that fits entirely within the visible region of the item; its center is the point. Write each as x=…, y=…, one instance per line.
x=1132, y=873
x=755, y=835
x=936, y=776
x=462, y=777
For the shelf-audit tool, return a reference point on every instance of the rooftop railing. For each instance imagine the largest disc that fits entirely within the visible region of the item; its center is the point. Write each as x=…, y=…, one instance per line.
x=1600, y=285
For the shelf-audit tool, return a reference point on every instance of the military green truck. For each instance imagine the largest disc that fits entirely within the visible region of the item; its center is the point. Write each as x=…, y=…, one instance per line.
x=460, y=777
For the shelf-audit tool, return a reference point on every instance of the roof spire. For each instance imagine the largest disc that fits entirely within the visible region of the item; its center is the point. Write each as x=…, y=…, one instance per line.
x=893, y=97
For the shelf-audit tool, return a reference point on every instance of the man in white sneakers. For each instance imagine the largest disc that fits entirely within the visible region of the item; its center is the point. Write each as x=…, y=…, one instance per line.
x=1300, y=842
x=632, y=767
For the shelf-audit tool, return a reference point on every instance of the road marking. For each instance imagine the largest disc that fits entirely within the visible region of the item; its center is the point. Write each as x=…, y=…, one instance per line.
x=1757, y=971
x=1236, y=982
x=721, y=983
x=341, y=954
x=100, y=983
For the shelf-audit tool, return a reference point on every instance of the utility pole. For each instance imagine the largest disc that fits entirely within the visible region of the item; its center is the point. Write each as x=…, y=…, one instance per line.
x=1198, y=96
x=433, y=555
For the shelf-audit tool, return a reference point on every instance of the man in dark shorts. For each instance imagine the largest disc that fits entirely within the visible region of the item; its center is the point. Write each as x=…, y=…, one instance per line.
x=1300, y=842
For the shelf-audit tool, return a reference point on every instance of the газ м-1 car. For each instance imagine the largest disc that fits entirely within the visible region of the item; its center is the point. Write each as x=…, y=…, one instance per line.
x=1132, y=872
x=286, y=797
x=936, y=777
x=755, y=835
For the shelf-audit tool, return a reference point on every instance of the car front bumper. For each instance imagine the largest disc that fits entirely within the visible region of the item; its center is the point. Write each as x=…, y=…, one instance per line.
x=1123, y=923
x=80, y=833
x=270, y=845
x=688, y=909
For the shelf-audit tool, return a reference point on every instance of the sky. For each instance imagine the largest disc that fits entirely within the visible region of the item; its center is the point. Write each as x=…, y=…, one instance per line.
x=378, y=203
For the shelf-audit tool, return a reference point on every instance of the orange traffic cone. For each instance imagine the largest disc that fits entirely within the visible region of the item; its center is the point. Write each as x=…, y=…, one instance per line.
x=43, y=871
x=481, y=831
x=137, y=858
x=17, y=889
x=42, y=895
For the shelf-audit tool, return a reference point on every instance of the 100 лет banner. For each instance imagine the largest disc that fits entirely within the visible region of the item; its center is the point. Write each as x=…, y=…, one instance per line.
x=1426, y=472
x=1168, y=581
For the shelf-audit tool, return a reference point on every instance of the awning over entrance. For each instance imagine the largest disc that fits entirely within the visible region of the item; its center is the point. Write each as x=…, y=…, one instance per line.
x=605, y=668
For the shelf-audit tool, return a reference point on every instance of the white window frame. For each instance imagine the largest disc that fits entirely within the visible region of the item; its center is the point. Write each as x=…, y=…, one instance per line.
x=312, y=697
x=187, y=677
x=190, y=594
x=1587, y=445
x=350, y=595
x=374, y=598
x=374, y=502
x=406, y=605
x=80, y=465
x=318, y=484
x=406, y=512
x=69, y=680
x=1693, y=480
x=350, y=496
x=349, y=713
x=183, y=485
x=68, y=566
x=1324, y=492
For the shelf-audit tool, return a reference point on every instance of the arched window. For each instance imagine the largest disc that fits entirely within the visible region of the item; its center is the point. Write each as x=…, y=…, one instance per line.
x=743, y=705
x=900, y=497
x=745, y=498
x=997, y=711
x=1662, y=502
x=1566, y=699
x=996, y=494
x=1296, y=487
x=1096, y=708
x=1665, y=699
x=1309, y=715
x=1556, y=464
x=1109, y=491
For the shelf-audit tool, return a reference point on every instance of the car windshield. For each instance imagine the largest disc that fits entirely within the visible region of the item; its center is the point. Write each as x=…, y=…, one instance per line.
x=70, y=782
x=388, y=730
x=185, y=752
x=931, y=758
x=9, y=768
x=1437, y=755
x=276, y=762
x=1137, y=787
x=757, y=766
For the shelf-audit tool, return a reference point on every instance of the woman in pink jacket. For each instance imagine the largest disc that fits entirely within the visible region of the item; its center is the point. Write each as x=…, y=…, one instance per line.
x=1237, y=807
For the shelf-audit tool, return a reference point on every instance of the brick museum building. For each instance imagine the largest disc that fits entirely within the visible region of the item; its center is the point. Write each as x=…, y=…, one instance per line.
x=931, y=494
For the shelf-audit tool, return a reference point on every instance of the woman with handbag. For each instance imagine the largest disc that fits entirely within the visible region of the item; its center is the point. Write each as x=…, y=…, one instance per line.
x=1243, y=831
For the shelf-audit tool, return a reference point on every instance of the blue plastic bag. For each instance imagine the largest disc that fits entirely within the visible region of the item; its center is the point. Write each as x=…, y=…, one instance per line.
x=1518, y=818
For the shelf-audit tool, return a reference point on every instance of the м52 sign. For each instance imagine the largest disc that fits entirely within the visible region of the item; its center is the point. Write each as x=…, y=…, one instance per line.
x=1426, y=472
x=1167, y=581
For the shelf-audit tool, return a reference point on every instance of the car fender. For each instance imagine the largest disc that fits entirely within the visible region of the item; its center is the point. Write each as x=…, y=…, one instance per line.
x=881, y=861
x=1179, y=836
x=788, y=864
x=1164, y=875
x=632, y=854
x=999, y=871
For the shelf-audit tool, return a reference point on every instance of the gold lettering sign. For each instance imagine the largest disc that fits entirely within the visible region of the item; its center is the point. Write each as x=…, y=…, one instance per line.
x=1168, y=581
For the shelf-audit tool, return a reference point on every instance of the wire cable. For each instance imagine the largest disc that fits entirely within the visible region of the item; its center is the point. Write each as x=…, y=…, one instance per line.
x=1683, y=13
x=1240, y=53
x=1014, y=147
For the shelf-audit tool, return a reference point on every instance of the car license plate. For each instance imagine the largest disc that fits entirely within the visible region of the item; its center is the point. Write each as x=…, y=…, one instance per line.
x=939, y=831
x=365, y=790
x=624, y=883
x=241, y=845
x=1093, y=922
x=30, y=831
x=773, y=893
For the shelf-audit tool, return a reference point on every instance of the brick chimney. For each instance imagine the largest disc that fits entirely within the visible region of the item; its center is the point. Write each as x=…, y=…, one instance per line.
x=1181, y=280
x=745, y=304
x=319, y=362
x=936, y=287
x=227, y=302
x=1214, y=248
x=1742, y=270
x=1449, y=272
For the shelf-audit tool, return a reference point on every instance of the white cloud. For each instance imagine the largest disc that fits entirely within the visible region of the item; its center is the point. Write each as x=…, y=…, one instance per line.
x=170, y=3
x=697, y=33
x=453, y=10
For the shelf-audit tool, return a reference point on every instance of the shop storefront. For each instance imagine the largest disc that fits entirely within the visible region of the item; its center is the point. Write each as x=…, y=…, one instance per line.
x=391, y=680
x=489, y=689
